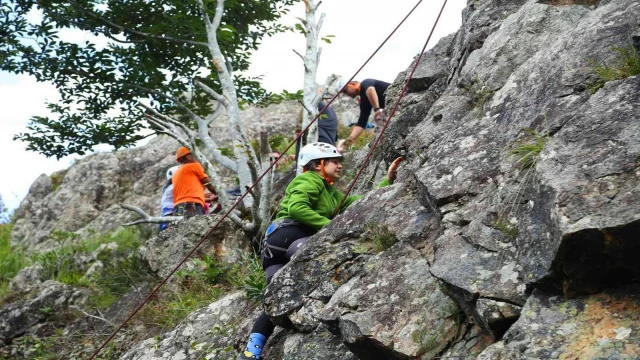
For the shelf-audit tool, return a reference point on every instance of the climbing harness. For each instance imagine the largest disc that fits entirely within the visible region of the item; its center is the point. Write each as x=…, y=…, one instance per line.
x=266, y=247
x=239, y=200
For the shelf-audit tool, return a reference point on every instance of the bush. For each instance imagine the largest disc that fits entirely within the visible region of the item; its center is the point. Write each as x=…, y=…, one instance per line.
x=627, y=64
x=121, y=268
x=195, y=289
x=249, y=276
x=479, y=95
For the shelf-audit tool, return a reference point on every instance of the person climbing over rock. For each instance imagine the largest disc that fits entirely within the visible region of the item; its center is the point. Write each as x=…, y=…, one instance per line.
x=189, y=183
x=309, y=204
x=372, y=97
x=166, y=204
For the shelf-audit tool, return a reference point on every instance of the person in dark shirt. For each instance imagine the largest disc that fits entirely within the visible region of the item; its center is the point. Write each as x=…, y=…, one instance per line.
x=372, y=97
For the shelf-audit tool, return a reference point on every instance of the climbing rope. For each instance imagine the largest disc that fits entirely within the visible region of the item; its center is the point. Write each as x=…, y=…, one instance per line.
x=239, y=200
x=393, y=111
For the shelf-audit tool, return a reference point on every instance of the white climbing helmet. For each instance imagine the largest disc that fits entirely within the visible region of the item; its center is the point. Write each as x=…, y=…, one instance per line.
x=171, y=171
x=317, y=150
x=340, y=83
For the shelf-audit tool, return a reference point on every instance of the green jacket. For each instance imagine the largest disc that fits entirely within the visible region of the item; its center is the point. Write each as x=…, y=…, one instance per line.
x=309, y=199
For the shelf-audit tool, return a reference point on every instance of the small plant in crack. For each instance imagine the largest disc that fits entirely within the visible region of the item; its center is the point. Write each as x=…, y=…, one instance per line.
x=380, y=235
x=508, y=229
x=527, y=151
x=426, y=341
x=479, y=95
x=626, y=65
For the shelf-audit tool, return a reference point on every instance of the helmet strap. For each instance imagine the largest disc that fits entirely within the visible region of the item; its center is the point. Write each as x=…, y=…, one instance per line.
x=324, y=173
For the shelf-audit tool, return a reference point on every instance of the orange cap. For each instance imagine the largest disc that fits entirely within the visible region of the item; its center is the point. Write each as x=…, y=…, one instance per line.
x=182, y=151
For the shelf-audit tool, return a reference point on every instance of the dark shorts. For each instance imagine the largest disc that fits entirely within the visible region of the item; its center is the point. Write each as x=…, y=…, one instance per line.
x=188, y=209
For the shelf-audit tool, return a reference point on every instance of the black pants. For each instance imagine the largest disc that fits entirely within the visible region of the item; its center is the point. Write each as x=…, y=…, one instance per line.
x=289, y=237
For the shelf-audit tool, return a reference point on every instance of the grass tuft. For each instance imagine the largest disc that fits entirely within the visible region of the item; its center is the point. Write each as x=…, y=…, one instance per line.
x=627, y=64
x=11, y=260
x=381, y=237
x=528, y=150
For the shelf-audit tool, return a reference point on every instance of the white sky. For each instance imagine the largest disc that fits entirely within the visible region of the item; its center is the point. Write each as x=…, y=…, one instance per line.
x=359, y=27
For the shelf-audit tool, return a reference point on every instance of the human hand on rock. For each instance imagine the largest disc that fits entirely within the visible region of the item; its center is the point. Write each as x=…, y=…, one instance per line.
x=344, y=144
x=393, y=169
x=209, y=197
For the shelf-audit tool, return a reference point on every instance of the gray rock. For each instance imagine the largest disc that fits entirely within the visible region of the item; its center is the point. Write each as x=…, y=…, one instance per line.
x=166, y=250
x=26, y=279
x=94, y=269
x=592, y=166
x=600, y=326
x=213, y=332
x=51, y=298
x=497, y=315
x=394, y=308
x=89, y=194
x=319, y=345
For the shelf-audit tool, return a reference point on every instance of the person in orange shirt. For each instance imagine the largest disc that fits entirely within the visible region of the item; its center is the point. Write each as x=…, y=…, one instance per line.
x=189, y=182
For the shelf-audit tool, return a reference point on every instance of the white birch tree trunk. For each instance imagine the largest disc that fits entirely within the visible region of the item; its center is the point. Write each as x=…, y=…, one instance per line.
x=311, y=59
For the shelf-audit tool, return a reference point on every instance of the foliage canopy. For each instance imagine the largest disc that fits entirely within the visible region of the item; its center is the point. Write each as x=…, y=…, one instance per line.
x=132, y=49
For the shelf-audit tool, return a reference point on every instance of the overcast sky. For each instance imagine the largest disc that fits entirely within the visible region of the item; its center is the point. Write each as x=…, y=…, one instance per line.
x=359, y=26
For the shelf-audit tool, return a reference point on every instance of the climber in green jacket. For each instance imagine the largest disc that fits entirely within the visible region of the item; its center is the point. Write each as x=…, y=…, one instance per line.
x=309, y=204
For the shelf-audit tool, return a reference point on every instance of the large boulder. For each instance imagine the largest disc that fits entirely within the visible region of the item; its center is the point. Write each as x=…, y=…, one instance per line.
x=50, y=298
x=26, y=279
x=600, y=326
x=212, y=332
x=163, y=252
x=487, y=229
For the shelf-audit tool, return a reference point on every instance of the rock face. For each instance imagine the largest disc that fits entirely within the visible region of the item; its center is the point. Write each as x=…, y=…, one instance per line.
x=206, y=334
x=474, y=252
x=486, y=230
x=90, y=191
x=26, y=279
x=166, y=250
x=600, y=326
x=51, y=297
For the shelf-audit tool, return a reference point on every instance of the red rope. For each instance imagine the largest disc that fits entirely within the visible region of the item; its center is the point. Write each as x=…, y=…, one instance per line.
x=393, y=111
x=157, y=288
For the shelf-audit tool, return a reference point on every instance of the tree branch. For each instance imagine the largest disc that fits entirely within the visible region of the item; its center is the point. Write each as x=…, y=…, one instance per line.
x=77, y=308
x=209, y=91
x=168, y=119
x=217, y=18
x=173, y=99
x=297, y=53
x=217, y=112
x=146, y=218
x=320, y=21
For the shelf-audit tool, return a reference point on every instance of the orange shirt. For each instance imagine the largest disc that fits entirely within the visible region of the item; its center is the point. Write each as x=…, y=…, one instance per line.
x=187, y=184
